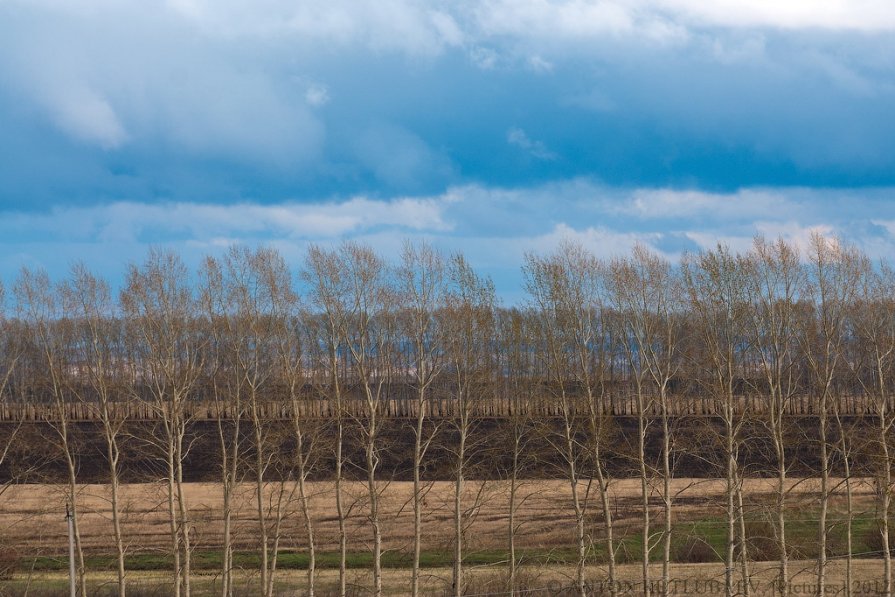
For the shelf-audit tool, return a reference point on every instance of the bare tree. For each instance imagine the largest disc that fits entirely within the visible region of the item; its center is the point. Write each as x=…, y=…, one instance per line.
x=421, y=288
x=774, y=279
x=256, y=282
x=520, y=389
x=291, y=332
x=589, y=333
x=873, y=362
x=368, y=325
x=718, y=305
x=547, y=281
x=468, y=320
x=830, y=289
x=226, y=387
x=325, y=277
x=568, y=293
x=647, y=294
x=39, y=307
x=97, y=354
x=162, y=312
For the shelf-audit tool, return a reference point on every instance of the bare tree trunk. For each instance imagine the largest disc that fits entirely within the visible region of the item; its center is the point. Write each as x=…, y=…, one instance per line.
x=113, y=456
x=511, y=522
x=780, y=453
x=173, y=525
x=340, y=506
x=457, y=582
x=644, y=492
x=260, y=511
x=183, y=514
x=417, y=495
x=306, y=509
x=373, y=493
x=885, y=492
x=73, y=500
x=824, y=499
x=666, y=491
x=844, y=452
x=732, y=509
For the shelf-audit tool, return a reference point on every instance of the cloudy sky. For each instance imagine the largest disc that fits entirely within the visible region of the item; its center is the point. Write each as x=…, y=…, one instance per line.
x=492, y=126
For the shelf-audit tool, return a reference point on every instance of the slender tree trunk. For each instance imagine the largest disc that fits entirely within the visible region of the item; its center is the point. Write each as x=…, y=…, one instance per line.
x=417, y=498
x=172, y=522
x=373, y=493
x=260, y=510
x=780, y=454
x=644, y=493
x=824, y=499
x=183, y=512
x=744, y=543
x=666, y=492
x=227, y=549
x=511, y=515
x=340, y=508
x=580, y=531
x=73, y=499
x=306, y=514
x=229, y=470
x=458, y=510
x=112, y=455
x=849, y=504
x=731, y=501
x=885, y=493
x=603, y=483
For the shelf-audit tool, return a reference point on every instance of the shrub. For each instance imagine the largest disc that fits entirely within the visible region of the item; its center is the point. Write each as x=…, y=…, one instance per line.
x=695, y=550
x=9, y=562
x=761, y=538
x=873, y=539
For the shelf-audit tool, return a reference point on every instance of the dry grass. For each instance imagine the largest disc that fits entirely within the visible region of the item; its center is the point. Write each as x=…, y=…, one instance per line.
x=32, y=516
x=687, y=579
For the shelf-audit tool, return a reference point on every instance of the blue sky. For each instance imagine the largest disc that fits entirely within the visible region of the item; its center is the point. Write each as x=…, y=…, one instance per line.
x=492, y=126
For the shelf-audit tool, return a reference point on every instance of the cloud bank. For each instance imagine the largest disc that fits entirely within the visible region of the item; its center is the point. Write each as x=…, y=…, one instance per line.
x=494, y=226
x=230, y=101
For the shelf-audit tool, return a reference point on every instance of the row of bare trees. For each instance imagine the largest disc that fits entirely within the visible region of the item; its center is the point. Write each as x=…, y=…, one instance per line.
x=244, y=331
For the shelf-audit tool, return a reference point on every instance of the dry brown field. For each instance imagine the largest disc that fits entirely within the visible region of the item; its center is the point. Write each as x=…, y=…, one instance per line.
x=32, y=521
x=486, y=581
x=32, y=516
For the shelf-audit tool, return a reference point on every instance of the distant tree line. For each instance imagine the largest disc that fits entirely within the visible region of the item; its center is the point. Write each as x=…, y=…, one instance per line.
x=771, y=324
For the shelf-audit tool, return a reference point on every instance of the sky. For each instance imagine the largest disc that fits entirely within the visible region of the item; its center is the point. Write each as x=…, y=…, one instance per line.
x=492, y=127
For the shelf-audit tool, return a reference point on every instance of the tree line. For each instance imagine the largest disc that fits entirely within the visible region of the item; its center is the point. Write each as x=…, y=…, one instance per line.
x=243, y=331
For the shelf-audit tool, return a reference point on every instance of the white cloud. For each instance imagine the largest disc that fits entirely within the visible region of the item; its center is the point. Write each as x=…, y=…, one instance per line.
x=518, y=137
x=539, y=65
x=397, y=156
x=494, y=227
x=405, y=26
x=484, y=58
x=317, y=95
x=687, y=204
x=865, y=15
x=86, y=116
x=131, y=222
x=545, y=19
x=153, y=80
